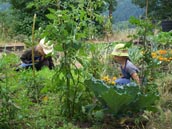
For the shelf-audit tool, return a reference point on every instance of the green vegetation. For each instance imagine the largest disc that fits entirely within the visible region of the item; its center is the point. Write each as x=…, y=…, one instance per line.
x=157, y=9
x=74, y=94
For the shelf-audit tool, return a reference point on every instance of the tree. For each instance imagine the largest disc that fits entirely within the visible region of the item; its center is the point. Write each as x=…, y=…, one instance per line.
x=6, y=31
x=157, y=9
x=111, y=6
x=24, y=11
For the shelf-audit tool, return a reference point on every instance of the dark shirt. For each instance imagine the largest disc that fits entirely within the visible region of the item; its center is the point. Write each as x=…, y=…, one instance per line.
x=26, y=58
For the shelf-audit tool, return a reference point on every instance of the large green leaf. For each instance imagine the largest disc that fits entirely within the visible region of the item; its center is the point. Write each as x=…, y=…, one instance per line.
x=117, y=101
x=144, y=101
x=121, y=99
x=97, y=86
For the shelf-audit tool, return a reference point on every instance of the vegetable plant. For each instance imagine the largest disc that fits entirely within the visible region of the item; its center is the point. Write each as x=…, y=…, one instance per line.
x=68, y=29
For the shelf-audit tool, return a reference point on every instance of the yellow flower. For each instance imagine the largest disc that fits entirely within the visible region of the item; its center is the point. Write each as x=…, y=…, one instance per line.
x=108, y=80
x=165, y=59
x=105, y=78
x=153, y=54
x=113, y=82
x=162, y=52
x=114, y=78
x=45, y=99
x=142, y=52
x=161, y=59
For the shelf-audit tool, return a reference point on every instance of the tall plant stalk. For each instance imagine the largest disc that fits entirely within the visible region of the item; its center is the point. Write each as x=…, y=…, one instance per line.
x=33, y=59
x=33, y=46
x=71, y=25
x=67, y=72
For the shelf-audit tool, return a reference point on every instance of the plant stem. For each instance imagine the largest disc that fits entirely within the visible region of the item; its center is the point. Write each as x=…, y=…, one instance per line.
x=33, y=59
x=67, y=71
x=33, y=38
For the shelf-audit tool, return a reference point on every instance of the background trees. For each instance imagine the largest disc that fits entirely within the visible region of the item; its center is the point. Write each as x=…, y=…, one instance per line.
x=24, y=10
x=157, y=9
x=6, y=28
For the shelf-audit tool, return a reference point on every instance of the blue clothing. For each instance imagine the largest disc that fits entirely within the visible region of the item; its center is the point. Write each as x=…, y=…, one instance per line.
x=122, y=81
x=40, y=61
x=23, y=65
x=127, y=71
x=29, y=63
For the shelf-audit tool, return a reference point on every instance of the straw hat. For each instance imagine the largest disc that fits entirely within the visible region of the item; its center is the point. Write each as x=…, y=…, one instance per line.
x=120, y=50
x=46, y=46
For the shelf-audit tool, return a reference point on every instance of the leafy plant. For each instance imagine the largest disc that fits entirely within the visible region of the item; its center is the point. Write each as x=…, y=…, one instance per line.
x=148, y=66
x=129, y=98
x=71, y=25
x=8, y=107
x=163, y=38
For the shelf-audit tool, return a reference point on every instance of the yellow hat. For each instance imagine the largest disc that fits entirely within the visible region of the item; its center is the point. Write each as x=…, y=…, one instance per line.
x=120, y=50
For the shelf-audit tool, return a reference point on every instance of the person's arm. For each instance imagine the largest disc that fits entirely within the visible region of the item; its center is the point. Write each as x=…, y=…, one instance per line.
x=133, y=71
x=136, y=78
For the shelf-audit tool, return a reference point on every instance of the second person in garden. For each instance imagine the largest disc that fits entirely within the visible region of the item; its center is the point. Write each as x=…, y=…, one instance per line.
x=128, y=69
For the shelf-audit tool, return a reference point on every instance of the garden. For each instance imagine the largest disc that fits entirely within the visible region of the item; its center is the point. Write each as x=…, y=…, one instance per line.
x=80, y=91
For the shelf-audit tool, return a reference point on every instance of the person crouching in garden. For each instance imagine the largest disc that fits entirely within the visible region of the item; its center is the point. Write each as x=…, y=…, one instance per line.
x=128, y=69
x=42, y=56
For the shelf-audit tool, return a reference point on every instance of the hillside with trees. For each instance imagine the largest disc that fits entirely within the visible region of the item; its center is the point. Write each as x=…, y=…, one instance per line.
x=125, y=9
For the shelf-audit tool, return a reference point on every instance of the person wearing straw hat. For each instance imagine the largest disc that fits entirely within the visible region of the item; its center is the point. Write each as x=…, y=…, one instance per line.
x=42, y=56
x=128, y=69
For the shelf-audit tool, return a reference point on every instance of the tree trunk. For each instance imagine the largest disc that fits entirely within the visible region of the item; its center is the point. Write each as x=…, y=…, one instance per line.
x=110, y=11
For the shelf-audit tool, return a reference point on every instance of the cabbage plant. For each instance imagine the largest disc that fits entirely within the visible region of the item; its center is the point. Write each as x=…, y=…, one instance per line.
x=121, y=99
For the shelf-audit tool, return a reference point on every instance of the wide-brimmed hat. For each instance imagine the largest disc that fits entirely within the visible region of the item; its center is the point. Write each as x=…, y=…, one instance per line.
x=46, y=46
x=120, y=50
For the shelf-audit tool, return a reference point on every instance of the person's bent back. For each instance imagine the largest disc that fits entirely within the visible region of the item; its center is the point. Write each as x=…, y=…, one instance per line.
x=42, y=56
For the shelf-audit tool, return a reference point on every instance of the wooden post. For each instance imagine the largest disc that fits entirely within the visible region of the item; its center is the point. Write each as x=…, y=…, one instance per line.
x=33, y=46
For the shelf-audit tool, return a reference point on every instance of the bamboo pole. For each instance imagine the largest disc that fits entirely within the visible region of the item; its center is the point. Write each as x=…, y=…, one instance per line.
x=33, y=46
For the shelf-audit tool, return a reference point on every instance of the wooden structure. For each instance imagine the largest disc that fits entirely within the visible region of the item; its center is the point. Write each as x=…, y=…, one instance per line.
x=12, y=47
